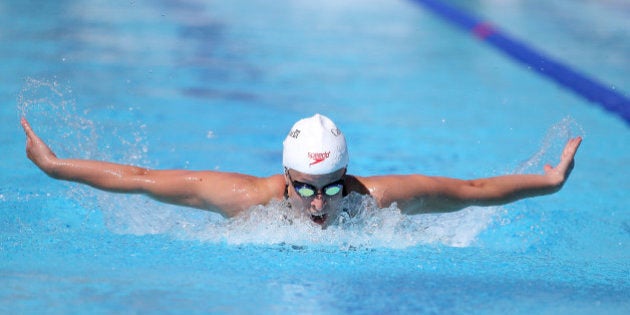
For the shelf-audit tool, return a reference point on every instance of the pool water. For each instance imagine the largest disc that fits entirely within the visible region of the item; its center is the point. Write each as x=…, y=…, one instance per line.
x=217, y=84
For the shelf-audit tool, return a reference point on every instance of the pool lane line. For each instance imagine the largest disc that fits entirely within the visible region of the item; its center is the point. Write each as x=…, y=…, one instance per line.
x=581, y=84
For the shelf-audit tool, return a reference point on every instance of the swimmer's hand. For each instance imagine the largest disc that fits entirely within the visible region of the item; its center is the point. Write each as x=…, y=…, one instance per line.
x=37, y=150
x=560, y=173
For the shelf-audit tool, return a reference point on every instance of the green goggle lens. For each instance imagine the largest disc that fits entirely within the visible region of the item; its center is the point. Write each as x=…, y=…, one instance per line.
x=307, y=190
x=332, y=190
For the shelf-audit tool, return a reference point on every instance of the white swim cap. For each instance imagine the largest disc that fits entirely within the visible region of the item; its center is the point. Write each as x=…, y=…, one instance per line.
x=315, y=146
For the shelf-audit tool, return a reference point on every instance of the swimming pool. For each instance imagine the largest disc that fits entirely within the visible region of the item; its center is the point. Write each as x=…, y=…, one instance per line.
x=216, y=85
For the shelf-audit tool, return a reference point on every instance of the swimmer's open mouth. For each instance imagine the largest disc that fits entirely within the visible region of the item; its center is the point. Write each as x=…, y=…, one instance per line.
x=319, y=219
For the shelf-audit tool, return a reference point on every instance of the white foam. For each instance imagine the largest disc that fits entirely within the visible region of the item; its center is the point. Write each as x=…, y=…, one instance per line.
x=276, y=223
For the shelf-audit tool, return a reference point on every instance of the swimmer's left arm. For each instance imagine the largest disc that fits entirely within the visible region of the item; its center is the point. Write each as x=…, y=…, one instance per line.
x=425, y=194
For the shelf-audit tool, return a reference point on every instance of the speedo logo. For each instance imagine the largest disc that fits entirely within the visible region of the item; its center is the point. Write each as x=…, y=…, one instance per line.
x=318, y=157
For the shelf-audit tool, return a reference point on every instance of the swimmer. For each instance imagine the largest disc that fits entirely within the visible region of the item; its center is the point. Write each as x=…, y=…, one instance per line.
x=315, y=160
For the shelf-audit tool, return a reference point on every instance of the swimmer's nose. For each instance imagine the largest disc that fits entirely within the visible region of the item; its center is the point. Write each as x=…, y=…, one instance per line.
x=318, y=203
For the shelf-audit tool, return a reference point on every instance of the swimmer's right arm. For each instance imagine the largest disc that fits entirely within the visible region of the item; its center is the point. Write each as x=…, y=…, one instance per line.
x=225, y=193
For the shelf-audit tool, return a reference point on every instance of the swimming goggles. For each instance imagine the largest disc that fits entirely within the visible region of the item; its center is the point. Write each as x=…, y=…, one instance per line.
x=307, y=190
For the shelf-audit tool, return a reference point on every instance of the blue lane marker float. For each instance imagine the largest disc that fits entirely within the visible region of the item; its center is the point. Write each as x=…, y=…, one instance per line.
x=581, y=84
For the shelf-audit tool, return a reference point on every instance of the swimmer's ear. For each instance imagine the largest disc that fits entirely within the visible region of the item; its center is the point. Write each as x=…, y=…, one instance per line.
x=286, y=176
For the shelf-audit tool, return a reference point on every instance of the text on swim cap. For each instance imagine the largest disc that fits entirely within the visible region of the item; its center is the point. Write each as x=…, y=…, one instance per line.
x=318, y=157
x=294, y=133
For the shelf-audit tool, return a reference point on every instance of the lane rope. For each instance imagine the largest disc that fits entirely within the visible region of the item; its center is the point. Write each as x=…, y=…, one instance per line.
x=579, y=83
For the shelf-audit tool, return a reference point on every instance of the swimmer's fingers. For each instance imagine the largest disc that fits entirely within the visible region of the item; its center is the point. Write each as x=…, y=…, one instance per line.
x=566, y=160
x=571, y=148
x=27, y=127
x=31, y=137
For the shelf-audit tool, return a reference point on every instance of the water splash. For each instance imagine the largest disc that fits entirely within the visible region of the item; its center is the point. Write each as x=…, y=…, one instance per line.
x=51, y=109
x=276, y=223
x=552, y=145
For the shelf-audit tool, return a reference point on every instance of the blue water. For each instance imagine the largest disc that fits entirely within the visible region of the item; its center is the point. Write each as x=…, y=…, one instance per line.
x=217, y=84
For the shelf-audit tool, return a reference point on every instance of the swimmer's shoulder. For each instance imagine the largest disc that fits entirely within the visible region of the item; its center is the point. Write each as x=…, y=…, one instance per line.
x=357, y=184
x=250, y=190
x=379, y=187
x=275, y=185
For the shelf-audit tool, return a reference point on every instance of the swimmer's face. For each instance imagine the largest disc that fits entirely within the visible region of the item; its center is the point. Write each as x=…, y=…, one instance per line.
x=317, y=195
